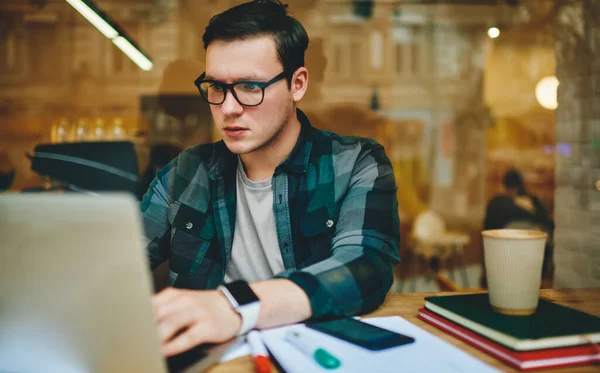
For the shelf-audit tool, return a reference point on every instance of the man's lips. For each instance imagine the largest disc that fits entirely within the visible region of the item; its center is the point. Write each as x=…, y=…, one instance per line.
x=234, y=131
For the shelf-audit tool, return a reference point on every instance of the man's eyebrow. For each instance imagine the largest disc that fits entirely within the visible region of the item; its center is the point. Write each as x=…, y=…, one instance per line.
x=239, y=79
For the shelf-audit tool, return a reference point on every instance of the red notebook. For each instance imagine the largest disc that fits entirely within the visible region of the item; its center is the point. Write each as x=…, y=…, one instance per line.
x=522, y=360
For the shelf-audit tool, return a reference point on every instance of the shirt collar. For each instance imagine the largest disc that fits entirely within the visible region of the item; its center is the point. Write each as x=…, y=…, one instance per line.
x=297, y=161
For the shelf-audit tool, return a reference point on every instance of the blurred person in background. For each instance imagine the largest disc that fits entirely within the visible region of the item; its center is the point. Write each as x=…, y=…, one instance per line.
x=518, y=209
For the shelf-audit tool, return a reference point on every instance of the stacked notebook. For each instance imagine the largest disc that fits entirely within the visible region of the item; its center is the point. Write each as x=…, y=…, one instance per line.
x=554, y=336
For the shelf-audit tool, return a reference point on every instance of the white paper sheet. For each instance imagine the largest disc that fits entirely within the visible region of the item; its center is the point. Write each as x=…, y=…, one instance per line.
x=242, y=349
x=427, y=354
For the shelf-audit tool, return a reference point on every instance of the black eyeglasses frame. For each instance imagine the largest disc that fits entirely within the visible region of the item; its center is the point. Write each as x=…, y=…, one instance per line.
x=230, y=87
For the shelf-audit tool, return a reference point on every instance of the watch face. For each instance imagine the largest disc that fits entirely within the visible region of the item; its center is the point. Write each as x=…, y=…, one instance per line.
x=241, y=292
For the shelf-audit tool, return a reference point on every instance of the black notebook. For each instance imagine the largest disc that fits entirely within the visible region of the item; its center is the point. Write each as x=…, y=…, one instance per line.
x=551, y=326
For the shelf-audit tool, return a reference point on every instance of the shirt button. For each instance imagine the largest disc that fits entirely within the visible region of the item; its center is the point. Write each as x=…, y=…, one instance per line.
x=329, y=223
x=189, y=225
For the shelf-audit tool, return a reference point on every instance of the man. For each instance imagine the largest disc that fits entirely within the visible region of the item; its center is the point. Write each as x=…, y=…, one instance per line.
x=516, y=208
x=307, y=217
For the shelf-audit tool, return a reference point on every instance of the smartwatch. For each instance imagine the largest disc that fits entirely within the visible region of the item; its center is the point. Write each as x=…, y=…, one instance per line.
x=243, y=301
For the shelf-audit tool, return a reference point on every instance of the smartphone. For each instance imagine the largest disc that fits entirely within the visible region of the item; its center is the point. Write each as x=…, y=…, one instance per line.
x=361, y=334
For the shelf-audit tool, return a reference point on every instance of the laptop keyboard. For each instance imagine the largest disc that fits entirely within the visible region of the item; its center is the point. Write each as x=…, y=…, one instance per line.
x=178, y=363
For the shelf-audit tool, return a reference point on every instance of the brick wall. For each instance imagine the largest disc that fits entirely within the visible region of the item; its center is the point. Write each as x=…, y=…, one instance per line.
x=577, y=214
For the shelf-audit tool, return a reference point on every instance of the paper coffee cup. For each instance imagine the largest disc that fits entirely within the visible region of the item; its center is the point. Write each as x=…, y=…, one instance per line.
x=513, y=262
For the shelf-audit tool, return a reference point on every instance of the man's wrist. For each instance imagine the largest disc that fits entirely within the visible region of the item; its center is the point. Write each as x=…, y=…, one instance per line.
x=243, y=301
x=231, y=313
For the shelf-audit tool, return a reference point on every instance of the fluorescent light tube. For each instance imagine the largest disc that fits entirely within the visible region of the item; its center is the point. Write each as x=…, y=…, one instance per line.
x=104, y=26
x=89, y=14
x=133, y=53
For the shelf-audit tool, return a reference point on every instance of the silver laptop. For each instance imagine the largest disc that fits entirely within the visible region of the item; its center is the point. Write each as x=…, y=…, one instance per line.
x=75, y=289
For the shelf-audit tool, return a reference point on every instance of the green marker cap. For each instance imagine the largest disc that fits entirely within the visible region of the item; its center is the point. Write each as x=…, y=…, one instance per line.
x=326, y=360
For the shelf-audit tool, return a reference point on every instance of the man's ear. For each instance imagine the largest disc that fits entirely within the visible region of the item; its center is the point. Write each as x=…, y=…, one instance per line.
x=299, y=83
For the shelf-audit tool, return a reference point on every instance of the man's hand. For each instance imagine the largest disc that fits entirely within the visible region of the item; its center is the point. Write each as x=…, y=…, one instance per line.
x=187, y=318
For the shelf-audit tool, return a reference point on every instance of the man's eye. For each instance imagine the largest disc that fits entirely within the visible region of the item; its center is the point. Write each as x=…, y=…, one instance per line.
x=215, y=87
x=250, y=87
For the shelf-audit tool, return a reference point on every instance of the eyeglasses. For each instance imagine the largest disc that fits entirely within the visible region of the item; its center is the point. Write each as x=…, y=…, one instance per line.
x=247, y=93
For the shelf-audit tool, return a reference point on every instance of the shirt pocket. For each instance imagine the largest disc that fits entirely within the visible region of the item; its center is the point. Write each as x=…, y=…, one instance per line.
x=192, y=234
x=317, y=228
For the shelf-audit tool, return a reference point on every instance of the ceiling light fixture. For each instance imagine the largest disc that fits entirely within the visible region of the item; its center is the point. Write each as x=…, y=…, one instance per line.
x=112, y=31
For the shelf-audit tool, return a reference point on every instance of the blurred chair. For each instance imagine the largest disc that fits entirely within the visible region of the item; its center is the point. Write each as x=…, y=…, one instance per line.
x=433, y=244
x=444, y=283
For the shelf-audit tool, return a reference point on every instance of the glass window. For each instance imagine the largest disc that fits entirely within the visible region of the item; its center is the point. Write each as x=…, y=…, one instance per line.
x=41, y=41
x=398, y=57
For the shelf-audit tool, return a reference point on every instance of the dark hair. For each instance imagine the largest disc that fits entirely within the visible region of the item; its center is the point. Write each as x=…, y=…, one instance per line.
x=514, y=180
x=262, y=18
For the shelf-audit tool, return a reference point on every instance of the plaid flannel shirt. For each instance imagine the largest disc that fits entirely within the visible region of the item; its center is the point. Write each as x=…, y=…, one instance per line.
x=336, y=214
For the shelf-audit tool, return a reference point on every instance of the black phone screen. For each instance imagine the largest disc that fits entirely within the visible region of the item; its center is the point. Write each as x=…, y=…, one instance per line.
x=362, y=334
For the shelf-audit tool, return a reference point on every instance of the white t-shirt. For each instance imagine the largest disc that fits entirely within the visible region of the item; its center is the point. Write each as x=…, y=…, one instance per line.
x=255, y=253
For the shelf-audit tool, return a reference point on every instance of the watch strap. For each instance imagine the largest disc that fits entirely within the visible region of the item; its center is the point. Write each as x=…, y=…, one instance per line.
x=249, y=312
x=249, y=315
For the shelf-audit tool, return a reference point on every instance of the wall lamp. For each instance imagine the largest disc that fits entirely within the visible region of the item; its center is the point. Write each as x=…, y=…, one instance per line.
x=111, y=30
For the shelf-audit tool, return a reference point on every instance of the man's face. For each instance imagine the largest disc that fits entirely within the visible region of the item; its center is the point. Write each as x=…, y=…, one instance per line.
x=247, y=129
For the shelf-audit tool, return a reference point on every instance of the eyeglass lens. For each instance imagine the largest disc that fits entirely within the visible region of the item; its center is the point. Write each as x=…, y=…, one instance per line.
x=247, y=94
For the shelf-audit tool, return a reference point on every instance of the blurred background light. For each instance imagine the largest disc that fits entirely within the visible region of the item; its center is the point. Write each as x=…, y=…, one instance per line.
x=546, y=92
x=493, y=32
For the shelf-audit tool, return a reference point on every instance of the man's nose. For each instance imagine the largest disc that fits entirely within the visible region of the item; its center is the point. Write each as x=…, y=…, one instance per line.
x=231, y=105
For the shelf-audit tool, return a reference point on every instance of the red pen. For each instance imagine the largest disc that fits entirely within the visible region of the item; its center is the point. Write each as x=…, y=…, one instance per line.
x=262, y=362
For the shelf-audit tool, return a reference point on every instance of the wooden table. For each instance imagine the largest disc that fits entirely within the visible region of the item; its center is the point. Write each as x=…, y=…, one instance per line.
x=407, y=305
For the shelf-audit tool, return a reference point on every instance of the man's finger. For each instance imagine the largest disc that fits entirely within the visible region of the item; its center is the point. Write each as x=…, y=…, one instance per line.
x=169, y=309
x=190, y=338
x=165, y=296
x=175, y=322
x=166, y=299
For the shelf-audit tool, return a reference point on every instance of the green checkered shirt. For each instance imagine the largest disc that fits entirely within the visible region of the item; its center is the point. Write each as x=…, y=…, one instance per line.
x=336, y=215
